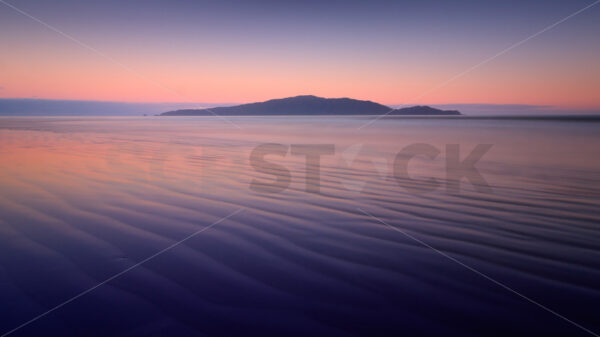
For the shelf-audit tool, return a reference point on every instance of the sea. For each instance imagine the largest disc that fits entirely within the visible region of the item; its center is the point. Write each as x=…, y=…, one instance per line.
x=299, y=226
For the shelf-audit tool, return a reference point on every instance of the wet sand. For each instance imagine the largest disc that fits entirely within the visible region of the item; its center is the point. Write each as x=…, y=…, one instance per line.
x=84, y=198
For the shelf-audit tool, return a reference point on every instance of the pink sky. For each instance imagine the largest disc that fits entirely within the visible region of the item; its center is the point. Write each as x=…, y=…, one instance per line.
x=244, y=61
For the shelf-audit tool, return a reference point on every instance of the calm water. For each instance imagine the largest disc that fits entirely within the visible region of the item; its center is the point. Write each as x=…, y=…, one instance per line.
x=83, y=199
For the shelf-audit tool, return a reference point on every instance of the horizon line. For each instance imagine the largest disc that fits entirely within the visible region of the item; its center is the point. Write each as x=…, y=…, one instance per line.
x=393, y=105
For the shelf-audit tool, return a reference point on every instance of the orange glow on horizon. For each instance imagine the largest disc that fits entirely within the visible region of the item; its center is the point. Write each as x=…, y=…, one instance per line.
x=80, y=75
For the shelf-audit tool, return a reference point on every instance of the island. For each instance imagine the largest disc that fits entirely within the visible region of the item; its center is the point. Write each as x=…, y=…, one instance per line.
x=311, y=105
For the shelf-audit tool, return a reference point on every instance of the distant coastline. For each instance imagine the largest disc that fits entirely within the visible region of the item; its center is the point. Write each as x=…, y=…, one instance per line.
x=21, y=107
x=309, y=105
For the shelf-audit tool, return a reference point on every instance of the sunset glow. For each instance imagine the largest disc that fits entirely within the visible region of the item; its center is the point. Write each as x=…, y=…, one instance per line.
x=392, y=53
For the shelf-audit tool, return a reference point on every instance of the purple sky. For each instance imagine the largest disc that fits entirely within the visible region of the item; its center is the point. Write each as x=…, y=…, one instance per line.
x=393, y=52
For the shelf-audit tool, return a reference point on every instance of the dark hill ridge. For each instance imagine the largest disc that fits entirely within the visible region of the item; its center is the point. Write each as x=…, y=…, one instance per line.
x=310, y=105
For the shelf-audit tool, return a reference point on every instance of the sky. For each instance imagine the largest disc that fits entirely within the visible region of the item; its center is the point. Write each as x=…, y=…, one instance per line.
x=391, y=52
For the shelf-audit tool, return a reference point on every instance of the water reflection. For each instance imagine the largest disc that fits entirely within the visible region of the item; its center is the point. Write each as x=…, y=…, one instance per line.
x=85, y=198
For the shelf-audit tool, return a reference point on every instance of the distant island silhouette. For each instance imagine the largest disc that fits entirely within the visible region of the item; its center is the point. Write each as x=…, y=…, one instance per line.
x=311, y=105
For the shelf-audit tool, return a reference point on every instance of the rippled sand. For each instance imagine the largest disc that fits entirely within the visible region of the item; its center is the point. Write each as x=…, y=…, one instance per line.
x=83, y=199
